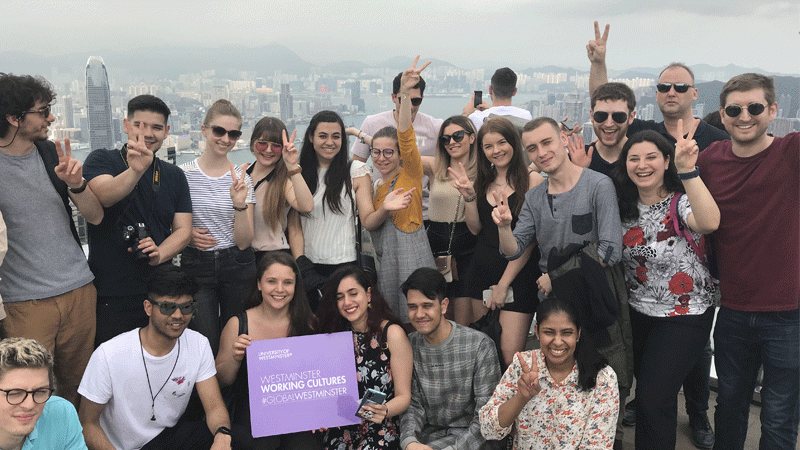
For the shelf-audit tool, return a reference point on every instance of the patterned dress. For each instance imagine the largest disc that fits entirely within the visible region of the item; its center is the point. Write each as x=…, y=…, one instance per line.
x=560, y=416
x=372, y=364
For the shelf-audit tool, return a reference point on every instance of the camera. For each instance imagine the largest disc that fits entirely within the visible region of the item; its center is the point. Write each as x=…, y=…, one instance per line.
x=132, y=235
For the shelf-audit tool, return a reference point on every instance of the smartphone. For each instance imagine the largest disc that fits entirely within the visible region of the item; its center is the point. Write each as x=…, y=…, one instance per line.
x=487, y=295
x=478, y=98
x=371, y=397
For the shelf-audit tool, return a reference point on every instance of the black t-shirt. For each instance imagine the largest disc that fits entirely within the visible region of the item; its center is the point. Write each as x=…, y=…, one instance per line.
x=704, y=135
x=116, y=270
x=599, y=164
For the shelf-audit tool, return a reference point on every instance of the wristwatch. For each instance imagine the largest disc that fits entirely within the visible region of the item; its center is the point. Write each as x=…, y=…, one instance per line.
x=223, y=430
x=80, y=189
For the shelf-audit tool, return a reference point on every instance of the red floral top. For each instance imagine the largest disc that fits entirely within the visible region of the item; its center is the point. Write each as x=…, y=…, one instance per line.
x=560, y=416
x=664, y=276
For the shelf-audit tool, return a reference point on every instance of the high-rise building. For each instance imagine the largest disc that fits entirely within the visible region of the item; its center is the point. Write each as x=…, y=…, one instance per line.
x=98, y=104
x=69, y=113
x=287, y=105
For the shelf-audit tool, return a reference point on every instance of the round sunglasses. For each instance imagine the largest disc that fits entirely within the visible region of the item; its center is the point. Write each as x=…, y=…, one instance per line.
x=753, y=109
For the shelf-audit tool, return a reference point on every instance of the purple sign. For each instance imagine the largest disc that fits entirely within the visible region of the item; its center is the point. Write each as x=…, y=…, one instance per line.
x=302, y=383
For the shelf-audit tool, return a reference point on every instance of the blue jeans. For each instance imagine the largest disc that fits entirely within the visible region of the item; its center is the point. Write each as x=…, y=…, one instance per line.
x=743, y=342
x=226, y=278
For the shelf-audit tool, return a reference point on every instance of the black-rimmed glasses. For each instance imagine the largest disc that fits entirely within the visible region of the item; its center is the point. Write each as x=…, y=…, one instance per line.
x=17, y=396
x=387, y=152
x=169, y=308
x=753, y=109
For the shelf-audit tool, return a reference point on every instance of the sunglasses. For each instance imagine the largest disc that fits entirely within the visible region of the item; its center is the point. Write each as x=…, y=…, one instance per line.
x=602, y=116
x=267, y=145
x=387, y=152
x=416, y=101
x=458, y=136
x=44, y=112
x=169, y=308
x=17, y=396
x=679, y=87
x=220, y=131
x=753, y=109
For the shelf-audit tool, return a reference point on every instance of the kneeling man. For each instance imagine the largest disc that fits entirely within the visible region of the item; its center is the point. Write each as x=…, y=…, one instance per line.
x=455, y=372
x=161, y=362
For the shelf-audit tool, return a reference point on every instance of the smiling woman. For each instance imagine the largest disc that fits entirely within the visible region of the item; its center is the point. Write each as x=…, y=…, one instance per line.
x=219, y=255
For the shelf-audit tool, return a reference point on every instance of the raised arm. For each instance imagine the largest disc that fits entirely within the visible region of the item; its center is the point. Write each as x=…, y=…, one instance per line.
x=296, y=190
x=408, y=80
x=70, y=171
x=705, y=215
x=89, y=415
x=596, y=51
x=465, y=187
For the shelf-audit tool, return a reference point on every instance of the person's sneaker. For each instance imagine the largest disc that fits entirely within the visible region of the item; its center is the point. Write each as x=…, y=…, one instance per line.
x=629, y=416
x=702, y=434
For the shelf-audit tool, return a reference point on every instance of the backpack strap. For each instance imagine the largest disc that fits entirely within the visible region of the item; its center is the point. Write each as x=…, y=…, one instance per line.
x=681, y=230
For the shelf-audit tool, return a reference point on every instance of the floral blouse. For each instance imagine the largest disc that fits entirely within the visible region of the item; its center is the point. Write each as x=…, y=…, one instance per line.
x=664, y=275
x=560, y=416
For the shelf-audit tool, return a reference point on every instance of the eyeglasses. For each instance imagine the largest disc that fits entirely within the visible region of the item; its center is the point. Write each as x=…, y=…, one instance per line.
x=17, y=396
x=44, y=112
x=602, y=116
x=169, y=308
x=220, y=131
x=458, y=136
x=753, y=109
x=267, y=145
x=679, y=87
x=387, y=152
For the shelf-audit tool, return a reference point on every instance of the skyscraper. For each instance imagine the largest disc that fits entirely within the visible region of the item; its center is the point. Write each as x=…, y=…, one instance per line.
x=286, y=103
x=98, y=105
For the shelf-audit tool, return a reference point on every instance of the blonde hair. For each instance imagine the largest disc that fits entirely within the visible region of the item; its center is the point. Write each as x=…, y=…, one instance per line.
x=23, y=353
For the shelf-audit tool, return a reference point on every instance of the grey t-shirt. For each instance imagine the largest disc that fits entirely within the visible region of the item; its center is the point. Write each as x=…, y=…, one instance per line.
x=43, y=258
x=563, y=223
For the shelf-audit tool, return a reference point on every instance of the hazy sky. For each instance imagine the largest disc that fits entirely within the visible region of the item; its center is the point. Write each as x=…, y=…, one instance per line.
x=467, y=33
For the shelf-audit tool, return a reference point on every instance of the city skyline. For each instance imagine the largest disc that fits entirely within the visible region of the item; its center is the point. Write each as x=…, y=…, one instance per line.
x=468, y=34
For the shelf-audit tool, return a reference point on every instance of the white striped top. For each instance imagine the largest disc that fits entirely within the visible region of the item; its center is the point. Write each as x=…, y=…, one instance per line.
x=331, y=238
x=212, y=207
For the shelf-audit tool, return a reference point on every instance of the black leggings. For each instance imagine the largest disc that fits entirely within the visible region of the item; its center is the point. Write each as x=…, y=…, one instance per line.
x=664, y=351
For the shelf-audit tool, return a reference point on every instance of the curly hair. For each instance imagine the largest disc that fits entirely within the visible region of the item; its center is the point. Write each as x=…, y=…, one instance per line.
x=19, y=94
x=23, y=353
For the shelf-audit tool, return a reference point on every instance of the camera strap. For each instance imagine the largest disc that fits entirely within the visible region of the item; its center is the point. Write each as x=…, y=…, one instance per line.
x=156, y=169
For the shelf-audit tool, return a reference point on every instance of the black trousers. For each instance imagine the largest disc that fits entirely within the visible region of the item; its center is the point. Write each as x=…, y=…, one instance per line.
x=665, y=349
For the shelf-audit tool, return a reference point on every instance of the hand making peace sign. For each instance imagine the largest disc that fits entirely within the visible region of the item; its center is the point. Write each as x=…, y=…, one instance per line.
x=686, y=149
x=461, y=181
x=596, y=49
x=528, y=383
x=291, y=156
x=138, y=155
x=239, y=187
x=411, y=76
x=501, y=214
x=69, y=170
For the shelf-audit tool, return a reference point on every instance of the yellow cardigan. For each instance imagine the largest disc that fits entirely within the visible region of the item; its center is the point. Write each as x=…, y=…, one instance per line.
x=410, y=176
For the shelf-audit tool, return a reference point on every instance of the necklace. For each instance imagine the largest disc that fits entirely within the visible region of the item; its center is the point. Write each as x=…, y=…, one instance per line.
x=149, y=386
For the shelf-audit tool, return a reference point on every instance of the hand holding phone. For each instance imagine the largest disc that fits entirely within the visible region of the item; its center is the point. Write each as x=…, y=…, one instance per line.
x=478, y=99
x=371, y=397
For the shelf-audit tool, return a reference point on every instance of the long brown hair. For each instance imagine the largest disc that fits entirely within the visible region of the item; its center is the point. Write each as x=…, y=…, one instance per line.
x=517, y=173
x=271, y=129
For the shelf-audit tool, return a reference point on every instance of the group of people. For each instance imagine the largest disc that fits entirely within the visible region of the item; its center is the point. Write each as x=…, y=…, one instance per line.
x=621, y=249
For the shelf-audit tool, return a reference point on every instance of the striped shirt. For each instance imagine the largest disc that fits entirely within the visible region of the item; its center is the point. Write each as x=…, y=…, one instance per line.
x=331, y=238
x=212, y=207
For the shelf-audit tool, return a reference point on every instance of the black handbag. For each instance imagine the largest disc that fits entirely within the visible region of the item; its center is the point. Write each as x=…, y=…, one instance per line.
x=490, y=325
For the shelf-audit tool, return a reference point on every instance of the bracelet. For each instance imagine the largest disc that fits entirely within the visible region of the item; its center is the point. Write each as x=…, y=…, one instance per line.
x=689, y=175
x=470, y=199
x=81, y=188
x=294, y=172
x=240, y=209
x=223, y=430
